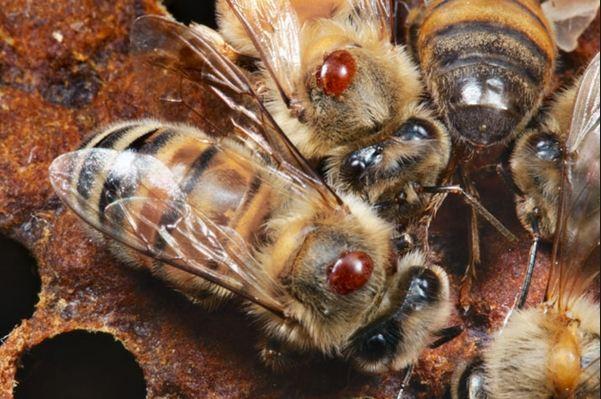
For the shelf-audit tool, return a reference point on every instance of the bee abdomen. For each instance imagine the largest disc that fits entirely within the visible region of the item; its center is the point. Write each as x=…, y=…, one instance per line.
x=488, y=64
x=489, y=26
x=213, y=178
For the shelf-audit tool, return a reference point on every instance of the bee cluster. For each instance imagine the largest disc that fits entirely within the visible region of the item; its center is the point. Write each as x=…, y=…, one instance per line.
x=311, y=197
x=325, y=261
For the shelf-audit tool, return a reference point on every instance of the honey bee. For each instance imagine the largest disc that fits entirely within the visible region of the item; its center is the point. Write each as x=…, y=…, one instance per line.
x=244, y=214
x=553, y=350
x=535, y=165
x=345, y=95
x=488, y=66
x=534, y=173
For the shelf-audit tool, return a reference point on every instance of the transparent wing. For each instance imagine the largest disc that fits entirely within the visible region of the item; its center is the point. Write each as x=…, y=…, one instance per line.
x=274, y=28
x=570, y=18
x=578, y=220
x=380, y=12
x=586, y=111
x=191, y=54
x=148, y=211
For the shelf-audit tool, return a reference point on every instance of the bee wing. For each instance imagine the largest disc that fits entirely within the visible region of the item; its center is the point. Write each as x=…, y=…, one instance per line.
x=274, y=28
x=191, y=53
x=586, y=110
x=570, y=18
x=149, y=212
x=578, y=220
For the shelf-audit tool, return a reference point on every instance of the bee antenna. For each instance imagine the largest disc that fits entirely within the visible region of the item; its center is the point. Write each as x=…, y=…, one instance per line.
x=406, y=380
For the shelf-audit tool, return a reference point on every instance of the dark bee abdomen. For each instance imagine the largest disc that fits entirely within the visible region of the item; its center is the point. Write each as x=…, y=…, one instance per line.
x=225, y=189
x=488, y=64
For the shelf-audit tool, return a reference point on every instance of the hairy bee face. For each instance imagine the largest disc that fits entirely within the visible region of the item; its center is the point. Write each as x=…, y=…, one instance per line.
x=406, y=320
x=536, y=167
x=401, y=153
x=389, y=172
x=355, y=301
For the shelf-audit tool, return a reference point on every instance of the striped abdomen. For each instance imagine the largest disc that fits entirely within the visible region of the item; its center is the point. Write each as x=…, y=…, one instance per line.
x=215, y=180
x=488, y=64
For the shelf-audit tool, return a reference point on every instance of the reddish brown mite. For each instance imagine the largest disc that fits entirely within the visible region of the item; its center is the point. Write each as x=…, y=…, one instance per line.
x=350, y=273
x=337, y=73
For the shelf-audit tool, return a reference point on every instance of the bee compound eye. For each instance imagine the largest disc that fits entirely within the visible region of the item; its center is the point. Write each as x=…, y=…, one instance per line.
x=378, y=342
x=361, y=160
x=336, y=73
x=350, y=272
x=376, y=345
x=547, y=149
x=415, y=130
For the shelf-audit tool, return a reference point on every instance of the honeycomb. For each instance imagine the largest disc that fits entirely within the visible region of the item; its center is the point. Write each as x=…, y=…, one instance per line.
x=65, y=70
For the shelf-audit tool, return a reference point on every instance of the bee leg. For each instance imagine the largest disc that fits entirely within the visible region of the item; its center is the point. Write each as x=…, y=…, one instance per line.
x=477, y=208
x=446, y=335
x=278, y=357
x=523, y=296
x=474, y=238
x=406, y=381
x=473, y=262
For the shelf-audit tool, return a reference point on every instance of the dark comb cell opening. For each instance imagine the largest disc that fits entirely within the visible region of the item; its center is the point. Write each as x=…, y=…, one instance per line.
x=80, y=365
x=186, y=11
x=19, y=284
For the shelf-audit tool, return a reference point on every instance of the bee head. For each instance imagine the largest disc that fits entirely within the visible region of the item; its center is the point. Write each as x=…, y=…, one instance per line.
x=536, y=166
x=396, y=336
